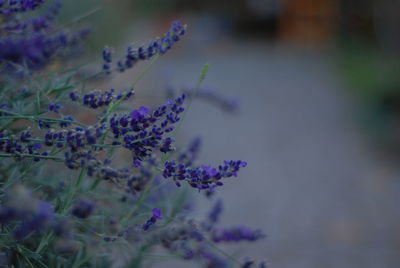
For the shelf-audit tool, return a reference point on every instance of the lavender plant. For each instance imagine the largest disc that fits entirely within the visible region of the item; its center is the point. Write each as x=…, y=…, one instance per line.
x=66, y=200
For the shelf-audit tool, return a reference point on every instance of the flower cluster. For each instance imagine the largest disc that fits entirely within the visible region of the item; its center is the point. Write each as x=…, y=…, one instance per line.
x=145, y=52
x=107, y=59
x=21, y=145
x=143, y=131
x=215, y=212
x=140, y=131
x=190, y=243
x=144, y=127
x=35, y=221
x=37, y=24
x=74, y=138
x=236, y=234
x=42, y=48
x=82, y=209
x=92, y=195
x=156, y=216
x=202, y=177
x=9, y=7
x=29, y=45
x=54, y=107
x=96, y=98
x=34, y=214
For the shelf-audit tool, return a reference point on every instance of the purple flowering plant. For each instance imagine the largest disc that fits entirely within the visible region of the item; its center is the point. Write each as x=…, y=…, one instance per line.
x=67, y=199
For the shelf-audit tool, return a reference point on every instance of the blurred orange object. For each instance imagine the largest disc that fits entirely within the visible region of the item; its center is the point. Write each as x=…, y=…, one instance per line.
x=308, y=22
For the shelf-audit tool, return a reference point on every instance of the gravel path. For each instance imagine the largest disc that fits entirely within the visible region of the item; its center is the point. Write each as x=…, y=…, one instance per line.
x=314, y=184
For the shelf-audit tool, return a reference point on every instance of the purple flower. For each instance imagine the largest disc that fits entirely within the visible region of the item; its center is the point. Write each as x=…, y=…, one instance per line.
x=143, y=131
x=35, y=222
x=136, y=163
x=97, y=99
x=236, y=234
x=209, y=170
x=213, y=261
x=156, y=216
x=36, y=24
x=167, y=144
x=19, y=145
x=10, y=7
x=228, y=104
x=34, y=215
x=34, y=50
x=54, y=107
x=107, y=58
x=66, y=118
x=145, y=52
x=202, y=177
x=42, y=124
x=107, y=53
x=156, y=213
x=73, y=96
x=82, y=209
x=29, y=45
x=7, y=214
x=109, y=239
x=140, y=113
x=215, y=212
x=250, y=263
x=25, y=135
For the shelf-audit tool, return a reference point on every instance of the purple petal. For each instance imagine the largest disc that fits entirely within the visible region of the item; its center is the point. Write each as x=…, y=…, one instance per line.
x=156, y=213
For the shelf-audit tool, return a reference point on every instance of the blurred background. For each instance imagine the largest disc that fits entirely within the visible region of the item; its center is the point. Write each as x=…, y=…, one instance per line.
x=318, y=86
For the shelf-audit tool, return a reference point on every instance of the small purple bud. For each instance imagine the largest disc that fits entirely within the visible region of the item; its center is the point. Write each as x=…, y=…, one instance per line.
x=156, y=213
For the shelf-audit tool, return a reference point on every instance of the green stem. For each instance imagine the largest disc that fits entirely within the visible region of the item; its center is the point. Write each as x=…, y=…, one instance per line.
x=33, y=156
x=42, y=141
x=95, y=183
x=79, y=18
x=74, y=190
x=10, y=139
x=80, y=178
x=36, y=118
x=44, y=242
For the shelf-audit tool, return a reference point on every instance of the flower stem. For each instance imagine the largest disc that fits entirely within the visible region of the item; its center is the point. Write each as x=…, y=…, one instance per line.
x=33, y=156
